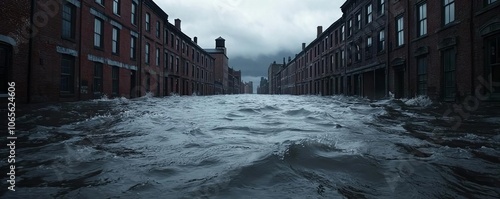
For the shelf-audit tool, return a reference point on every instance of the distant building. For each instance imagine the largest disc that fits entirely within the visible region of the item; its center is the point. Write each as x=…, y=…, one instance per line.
x=273, y=72
x=249, y=87
x=263, y=87
x=221, y=68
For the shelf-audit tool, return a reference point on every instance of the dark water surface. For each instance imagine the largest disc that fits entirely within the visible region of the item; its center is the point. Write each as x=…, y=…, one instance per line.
x=253, y=146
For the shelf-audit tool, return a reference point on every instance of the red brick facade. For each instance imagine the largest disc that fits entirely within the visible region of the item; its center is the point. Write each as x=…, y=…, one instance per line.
x=85, y=49
x=446, y=49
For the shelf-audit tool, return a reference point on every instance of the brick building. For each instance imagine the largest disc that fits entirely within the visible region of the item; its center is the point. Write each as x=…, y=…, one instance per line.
x=221, y=66
x=407, y=48
x=68, y=50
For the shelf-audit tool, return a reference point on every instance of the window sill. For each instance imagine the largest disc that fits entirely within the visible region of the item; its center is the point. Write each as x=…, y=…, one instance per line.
x=118, y=15
x=72, y=40
x=420, y=38
x=98, y=48
x=399, y=47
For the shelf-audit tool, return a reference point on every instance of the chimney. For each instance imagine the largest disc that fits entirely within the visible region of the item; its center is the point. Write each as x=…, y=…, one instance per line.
x=289, y=59
x=320, y=30
x=178, y=24
x=284, y=61
x=195, y=39
x=303, y=46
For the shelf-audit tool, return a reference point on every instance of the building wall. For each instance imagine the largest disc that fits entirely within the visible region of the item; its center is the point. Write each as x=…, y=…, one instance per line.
x=40, y=58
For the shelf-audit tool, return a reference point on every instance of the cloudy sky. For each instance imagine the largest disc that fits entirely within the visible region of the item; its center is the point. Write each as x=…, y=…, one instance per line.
x=257, y=32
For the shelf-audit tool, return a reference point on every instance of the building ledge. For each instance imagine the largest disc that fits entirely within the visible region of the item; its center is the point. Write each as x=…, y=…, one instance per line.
x=487, y=8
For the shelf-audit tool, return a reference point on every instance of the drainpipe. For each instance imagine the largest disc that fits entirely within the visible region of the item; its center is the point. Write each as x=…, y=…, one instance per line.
x=471, y=29
x=30, y=51
x=80, y=55
x=138, y=81
x=408, y=50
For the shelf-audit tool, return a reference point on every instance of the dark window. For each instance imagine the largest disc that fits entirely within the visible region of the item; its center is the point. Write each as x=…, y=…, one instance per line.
x=133, y=47
x=449, y=11
x=177, y=65
x=116, y=7
x=98, y=33
x=358, y=52
x=342, y=33
x=177, y=44
x=448, y=59
x=422, y=19
x=400, y=40
x=68, y=21
x=146, y=57
x=172, y=40
x=115, y=44
x=369, y=15
x=67, y=74
x=148, y=22
x=158, y=28
x=97, y=77
x=186, y=68
x=115, y=76
x=358, y=21
x=422, y=76
x=172, y=63
x=381, y=7
x=157, y=57
x=165, y=61
x=381, y=40
x=100, y=2
x=349, y=27
x=133, y=14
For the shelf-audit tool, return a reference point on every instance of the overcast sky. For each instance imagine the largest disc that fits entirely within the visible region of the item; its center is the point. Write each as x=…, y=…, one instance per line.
x=257, y=32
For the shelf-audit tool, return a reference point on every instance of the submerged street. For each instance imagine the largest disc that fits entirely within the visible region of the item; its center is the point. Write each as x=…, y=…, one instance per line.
x=254, y=146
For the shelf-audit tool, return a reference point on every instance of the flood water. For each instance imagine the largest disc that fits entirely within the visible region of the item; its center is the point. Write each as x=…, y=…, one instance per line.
x=253, y=146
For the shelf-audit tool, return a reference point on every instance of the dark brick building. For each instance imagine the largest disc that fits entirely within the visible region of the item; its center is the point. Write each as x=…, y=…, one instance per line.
x=446, y=49
x=68, y=50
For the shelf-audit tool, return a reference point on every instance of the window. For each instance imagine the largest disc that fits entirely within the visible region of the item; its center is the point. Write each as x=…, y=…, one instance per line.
x=97, y=77
x=100, y=2
x=342, y=33
x=358, y=52
x=165, y=37
x=133, y=14
x=68, y=21
x=133, y=47
x=146, y=57
x=67, y=74
x=358, y=21
x=422, y=19
x=115, y=44
x=115, y=75
x=399, y=31
x=172, y=40
x=157, y=57
x=183, y=47
x=422, y=76
x=177, y=65
x=381, y=40
x=116, y=7
x=192, y=71
x=177, y=44
x=172, y=63
x=148, y=20
x=449, y=11
x=369, y=16
x=448, y=61
x=369, y=42
x=381, y=7
x=349, y=27
x=158, y=29
x=186, y=69
x=342, y=57
x=98, y=29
